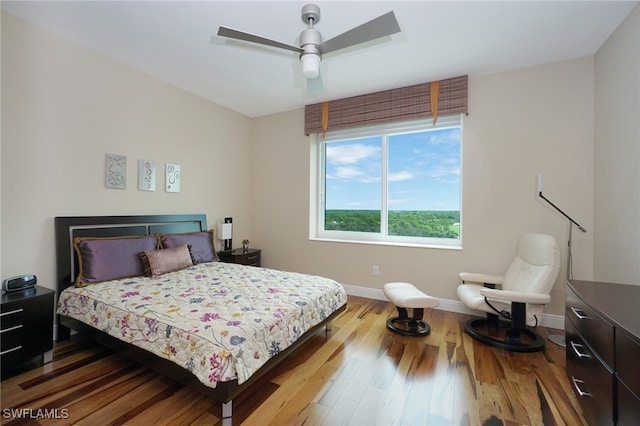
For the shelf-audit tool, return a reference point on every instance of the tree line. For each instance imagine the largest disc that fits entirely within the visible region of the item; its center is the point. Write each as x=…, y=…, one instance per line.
x=429, y=223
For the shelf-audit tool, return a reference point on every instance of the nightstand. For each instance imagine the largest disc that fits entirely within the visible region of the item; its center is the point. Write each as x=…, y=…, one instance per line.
x=26, y=326
x=249, y=257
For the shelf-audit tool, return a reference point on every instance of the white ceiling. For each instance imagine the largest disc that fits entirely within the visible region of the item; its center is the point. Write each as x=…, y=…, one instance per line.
x=176, y=42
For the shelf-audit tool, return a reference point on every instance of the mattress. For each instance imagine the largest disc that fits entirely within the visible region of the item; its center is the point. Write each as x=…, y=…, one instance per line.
x=221, y=321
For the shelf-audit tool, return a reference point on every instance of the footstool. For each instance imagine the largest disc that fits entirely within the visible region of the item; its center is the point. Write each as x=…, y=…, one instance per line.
x=406, y=296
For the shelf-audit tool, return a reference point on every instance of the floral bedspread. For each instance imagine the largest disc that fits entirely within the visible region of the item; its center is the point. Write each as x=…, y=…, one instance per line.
x=221, y=321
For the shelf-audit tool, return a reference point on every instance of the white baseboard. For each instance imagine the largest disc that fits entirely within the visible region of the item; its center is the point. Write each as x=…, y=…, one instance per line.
x=548, y=320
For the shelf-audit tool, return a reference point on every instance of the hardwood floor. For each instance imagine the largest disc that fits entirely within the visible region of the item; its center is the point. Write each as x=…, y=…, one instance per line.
x=357, y=374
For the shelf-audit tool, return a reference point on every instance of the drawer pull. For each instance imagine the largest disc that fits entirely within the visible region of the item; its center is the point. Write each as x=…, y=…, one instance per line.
x=576, y=347
x=252, y=257
x=579, y=313
x=15, y=327
x=15, y=311
x=576, y=383
x=11, y=350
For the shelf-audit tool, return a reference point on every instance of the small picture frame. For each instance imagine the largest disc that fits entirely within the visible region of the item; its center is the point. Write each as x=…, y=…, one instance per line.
x=116, y=171
x=173, y=177
x=146, y=175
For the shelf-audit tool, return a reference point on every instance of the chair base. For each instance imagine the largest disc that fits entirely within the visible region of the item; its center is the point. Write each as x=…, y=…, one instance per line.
x=409, y=326
x=504, y=335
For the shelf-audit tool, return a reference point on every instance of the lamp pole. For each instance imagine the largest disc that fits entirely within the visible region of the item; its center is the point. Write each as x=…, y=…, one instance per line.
x=559, y=339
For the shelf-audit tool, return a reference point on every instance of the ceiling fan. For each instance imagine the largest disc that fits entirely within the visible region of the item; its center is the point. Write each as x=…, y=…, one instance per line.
x=311, y=46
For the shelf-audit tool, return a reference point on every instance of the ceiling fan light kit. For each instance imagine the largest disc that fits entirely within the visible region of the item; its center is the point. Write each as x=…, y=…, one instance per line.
x=311, y=45
x=310, y=65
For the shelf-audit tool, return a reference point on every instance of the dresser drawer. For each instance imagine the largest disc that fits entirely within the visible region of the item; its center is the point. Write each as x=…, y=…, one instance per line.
x=628, y=406
x=627, y=359
x=594, y=329
x=592, y=381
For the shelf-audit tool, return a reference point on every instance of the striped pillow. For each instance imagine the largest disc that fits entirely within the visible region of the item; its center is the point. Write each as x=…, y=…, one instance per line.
x=158, y=262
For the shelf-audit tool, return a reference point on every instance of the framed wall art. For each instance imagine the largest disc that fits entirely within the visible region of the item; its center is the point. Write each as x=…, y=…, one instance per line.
x=116, y=171
x=146, y=175
x=173, y=178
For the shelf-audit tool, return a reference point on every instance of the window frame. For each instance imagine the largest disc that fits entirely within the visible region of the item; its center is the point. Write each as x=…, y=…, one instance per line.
x=318, y=175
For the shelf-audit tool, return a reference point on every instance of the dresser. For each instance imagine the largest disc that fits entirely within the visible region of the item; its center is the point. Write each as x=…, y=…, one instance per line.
x=602, y=328
x=26, y=326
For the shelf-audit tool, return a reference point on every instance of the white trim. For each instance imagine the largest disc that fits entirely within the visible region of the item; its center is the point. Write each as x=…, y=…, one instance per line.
x=548, y=320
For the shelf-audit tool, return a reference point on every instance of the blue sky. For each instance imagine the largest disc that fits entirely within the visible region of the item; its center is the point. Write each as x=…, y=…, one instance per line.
x=424, y=172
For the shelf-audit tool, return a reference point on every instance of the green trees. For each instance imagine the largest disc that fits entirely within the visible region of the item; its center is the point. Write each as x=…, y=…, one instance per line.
x=352, y=220
x=433, y=224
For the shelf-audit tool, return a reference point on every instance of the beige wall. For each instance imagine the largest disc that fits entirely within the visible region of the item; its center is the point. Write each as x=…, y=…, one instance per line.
x=64, y=107
x=617, y=155
x=520, y=123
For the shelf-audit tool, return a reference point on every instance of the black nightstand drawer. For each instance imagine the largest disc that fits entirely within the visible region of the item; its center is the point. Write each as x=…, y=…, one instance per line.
x=250, y=257
x=10, y=318
x=11, y=338
x=26, y=326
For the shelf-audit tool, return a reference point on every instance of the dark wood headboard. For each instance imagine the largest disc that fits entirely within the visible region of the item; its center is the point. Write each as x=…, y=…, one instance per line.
x=68, y=227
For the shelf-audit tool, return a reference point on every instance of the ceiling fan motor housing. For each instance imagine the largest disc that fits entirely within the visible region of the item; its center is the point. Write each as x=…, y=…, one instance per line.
x=310, y=40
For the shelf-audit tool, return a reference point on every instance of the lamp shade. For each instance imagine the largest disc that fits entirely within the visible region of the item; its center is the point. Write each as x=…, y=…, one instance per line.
x=225, y=231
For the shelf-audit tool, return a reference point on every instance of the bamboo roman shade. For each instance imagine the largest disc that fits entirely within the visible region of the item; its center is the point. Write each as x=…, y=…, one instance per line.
x=403, y=104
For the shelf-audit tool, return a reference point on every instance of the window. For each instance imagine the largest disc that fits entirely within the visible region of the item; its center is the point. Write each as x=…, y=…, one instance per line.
x=393, y=184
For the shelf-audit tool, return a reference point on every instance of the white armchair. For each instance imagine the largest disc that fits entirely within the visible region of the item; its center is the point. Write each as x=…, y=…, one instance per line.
x=514, y=302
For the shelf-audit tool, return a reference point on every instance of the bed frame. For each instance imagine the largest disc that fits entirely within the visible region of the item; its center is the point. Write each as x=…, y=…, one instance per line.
x=66, y=228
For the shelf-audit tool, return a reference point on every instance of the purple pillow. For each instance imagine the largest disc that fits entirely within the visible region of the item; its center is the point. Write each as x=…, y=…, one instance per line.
x=202, y=244
x=103, y=259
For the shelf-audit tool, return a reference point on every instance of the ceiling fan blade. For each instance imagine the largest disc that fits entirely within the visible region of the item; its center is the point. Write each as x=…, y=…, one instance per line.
x=381, y=26
x=241, y=35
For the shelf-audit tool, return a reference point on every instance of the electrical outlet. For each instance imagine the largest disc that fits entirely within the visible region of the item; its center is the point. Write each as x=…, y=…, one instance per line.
x=376, y=270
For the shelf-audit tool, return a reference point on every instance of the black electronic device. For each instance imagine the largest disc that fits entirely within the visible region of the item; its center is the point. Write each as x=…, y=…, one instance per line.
x=19, y=283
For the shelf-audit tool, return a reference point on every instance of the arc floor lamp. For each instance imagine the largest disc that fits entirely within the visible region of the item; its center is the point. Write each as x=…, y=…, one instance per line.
x=559, y=339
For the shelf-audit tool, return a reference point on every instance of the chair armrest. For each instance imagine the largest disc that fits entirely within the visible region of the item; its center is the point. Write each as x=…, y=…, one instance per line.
x=480, y=278
x=516, y=296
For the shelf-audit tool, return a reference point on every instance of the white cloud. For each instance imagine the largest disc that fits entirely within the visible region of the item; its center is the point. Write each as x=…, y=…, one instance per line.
x=351, y=154
x=445, y=172
x=399, y=176
x=353, y=174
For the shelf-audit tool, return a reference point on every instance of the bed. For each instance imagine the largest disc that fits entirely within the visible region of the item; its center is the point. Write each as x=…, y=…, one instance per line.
x=215, y=327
